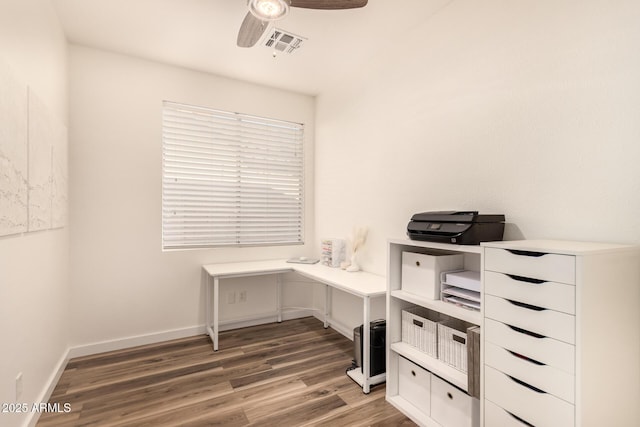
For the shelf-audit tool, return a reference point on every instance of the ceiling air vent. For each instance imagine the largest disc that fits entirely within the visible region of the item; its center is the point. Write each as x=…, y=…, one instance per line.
x=283, y=41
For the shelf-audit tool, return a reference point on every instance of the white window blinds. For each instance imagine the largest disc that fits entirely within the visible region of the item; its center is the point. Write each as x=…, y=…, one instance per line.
x=230, y=179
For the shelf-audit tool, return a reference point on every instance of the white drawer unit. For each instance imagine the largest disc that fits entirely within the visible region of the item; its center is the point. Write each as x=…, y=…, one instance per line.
x=552, y=295
x=500, y=417
x=451, y=407
x=549, y=323
x=560, y=335
x=526, y=402
x=534, y=264
x=546, y=350
x=544, y=377
x=414, y=385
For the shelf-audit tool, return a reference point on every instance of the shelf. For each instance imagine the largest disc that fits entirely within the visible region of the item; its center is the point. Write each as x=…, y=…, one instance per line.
x=472, y=249
x=449, y=309
x=441, y=369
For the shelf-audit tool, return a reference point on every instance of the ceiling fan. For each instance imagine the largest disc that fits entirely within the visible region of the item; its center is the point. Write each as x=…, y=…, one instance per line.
x=261, y=12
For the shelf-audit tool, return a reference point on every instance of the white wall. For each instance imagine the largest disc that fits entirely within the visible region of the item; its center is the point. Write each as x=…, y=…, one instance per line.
x=527, y=108
x=34, y=266
x=123, y=285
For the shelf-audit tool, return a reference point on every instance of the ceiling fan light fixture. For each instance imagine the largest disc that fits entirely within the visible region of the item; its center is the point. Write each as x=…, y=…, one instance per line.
x=269, y=10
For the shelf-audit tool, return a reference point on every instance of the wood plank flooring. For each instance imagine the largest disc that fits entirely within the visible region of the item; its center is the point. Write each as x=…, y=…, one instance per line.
x=287, y=374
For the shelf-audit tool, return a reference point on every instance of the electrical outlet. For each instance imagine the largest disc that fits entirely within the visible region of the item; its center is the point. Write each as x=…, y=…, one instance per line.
x=231, y=298
x=18, y=386
x=243, y=296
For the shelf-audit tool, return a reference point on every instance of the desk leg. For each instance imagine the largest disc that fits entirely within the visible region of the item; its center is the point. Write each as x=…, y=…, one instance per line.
x=366, y=350
x=279, y=297
x=207, y=307
x=327, y=305
x=216, y=309
x=213, y=333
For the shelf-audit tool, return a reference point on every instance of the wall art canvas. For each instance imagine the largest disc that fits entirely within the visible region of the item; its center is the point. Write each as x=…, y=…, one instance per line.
x=13, y=153
x=59, y=178
x=41, y=131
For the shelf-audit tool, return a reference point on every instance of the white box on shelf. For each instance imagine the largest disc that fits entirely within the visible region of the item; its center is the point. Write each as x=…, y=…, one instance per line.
x=420, y=328
x=414, y=384
x=421, y=272
x=451, y=407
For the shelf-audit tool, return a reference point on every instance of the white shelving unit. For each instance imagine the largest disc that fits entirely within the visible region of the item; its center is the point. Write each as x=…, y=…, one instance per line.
x=398, y=300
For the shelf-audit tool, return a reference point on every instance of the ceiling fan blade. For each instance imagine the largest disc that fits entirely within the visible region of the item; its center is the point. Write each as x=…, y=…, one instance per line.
x=251, y=30
x=329, y=4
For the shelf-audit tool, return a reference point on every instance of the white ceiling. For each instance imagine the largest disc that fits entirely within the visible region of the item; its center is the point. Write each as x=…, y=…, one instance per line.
x=201, y=35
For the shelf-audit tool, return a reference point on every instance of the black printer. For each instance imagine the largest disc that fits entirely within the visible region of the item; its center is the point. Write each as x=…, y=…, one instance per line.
x=461, y=228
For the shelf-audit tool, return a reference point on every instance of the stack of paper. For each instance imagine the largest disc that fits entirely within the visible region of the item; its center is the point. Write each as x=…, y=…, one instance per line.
x=462, y=288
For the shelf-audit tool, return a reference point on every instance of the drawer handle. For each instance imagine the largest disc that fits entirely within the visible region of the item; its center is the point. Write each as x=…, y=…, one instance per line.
x=517, y=418
x=528, y=359
x=418, y=323
x=527, y=306
x=529, y=386
x=417, y=263
x=526, y=253
x=524, y=331
x=461, y=340
x=526, y=279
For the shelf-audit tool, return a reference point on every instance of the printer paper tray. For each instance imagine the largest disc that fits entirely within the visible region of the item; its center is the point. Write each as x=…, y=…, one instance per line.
x=433, y=237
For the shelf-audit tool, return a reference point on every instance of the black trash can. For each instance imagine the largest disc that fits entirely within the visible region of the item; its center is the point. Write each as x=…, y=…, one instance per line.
x=377, y=358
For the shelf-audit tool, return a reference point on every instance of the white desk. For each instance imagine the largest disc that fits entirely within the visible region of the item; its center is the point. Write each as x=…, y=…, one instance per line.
x=361, y=284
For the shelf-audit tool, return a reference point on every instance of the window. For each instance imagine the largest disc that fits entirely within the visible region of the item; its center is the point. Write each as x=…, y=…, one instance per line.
x=230, y=179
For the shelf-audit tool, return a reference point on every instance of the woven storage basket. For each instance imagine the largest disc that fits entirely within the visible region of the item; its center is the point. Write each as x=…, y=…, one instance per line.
x=452, y=344
x=420, y=328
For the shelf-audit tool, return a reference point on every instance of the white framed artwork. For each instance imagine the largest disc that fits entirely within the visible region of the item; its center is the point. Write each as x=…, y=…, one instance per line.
x=13, y=154
x=59, y=185
x=33, y=160
x=41, y=133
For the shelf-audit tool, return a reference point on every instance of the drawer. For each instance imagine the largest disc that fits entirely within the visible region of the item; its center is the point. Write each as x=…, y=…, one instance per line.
x=552, y=295
x=551, y=380
x=451, y=407
x=537, y=408
x=414, y=384
x=551, y=352
x=495, y=416
x=535, y=265
x=549, y=323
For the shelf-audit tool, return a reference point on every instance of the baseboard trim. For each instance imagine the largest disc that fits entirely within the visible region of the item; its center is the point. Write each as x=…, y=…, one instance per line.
x=134, y=341
x=245, y=322
x=50, y=385
x=337, y=326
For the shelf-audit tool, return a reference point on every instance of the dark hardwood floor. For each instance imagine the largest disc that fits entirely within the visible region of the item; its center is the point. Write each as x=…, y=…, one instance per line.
x=287, y=374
